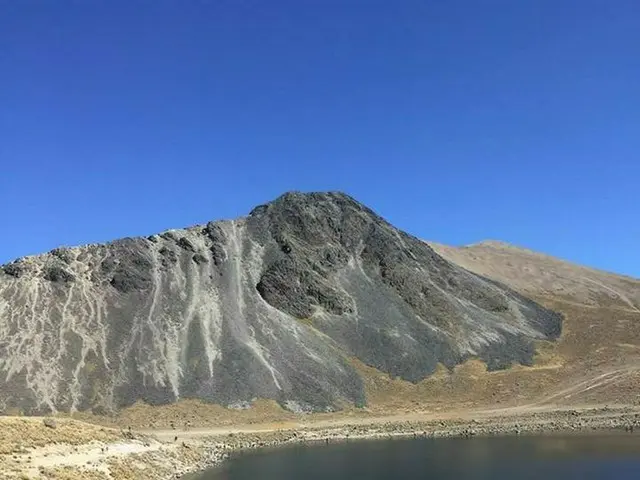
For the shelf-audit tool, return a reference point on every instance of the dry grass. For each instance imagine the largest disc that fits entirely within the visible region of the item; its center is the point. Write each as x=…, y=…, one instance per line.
x=20, y=433
x=157, y=465
x=71, y=473
x=470, y=385
x=190, y=413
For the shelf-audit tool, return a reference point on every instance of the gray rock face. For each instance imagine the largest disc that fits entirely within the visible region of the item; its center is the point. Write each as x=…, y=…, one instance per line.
x=272, y=305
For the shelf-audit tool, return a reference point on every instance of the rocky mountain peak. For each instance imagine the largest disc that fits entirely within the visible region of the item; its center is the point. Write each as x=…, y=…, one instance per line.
x=273, y=305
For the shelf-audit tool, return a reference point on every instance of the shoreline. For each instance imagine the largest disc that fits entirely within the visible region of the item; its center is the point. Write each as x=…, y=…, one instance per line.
x=81, y=451
x=219, y=448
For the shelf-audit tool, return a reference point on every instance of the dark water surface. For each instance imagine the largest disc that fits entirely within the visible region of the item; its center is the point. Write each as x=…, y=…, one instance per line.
x=602, y=456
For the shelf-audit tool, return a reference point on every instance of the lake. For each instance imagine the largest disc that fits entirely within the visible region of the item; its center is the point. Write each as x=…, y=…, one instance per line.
x=585, y=457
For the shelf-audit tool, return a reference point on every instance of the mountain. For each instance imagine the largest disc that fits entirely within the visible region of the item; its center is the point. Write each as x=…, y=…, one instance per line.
x=596, y=360
x=280, y=304
x=534, y=273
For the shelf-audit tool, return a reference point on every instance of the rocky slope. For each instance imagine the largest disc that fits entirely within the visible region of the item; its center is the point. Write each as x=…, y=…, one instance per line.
x=273, y=305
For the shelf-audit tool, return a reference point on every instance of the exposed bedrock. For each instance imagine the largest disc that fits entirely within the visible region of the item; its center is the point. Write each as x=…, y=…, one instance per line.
x=272, y=305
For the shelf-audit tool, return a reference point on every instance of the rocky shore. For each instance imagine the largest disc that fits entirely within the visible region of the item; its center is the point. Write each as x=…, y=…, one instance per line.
x=216, y=449
x=67, y=449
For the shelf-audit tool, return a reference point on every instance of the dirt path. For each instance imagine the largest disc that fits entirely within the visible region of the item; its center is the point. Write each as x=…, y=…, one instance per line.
x=598, y=381
x=618, y=294
x=544, y=405
x=93, y=456
x=96, y=455
x=503, y=414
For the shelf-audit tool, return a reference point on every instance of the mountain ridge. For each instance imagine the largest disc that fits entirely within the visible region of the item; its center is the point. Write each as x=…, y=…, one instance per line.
x=536, y=273
x=271, y=305
x=500, y=244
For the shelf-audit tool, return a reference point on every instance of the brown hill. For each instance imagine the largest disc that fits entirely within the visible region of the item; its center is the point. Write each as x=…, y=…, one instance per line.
x=597, y=357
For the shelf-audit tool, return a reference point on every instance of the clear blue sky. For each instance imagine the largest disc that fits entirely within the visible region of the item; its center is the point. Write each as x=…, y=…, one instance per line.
x=456, y=120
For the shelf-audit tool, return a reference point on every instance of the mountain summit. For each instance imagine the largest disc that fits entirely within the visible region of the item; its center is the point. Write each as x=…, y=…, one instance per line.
x=273, y=305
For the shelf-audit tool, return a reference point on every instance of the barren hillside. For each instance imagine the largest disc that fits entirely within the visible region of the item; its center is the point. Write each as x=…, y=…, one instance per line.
x=291, y=303
x=597, y=357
